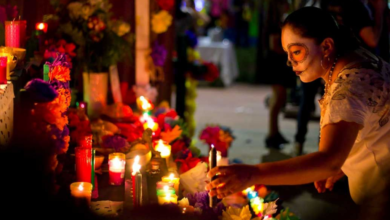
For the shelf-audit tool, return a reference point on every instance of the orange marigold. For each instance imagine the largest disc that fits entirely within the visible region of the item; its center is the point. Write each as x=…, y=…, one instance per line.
x=60, y=73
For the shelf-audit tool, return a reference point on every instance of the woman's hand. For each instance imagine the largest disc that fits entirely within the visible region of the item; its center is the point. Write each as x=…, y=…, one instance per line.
x=328, y=183
x=231, y=179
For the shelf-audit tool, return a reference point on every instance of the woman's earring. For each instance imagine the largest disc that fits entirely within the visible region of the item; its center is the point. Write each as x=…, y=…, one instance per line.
x=289, y=63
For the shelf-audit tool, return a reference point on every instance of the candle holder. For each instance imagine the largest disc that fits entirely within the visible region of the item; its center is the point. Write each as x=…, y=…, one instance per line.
x=3, y=69
x=167, y=199
x=81, y=193
x=172, y=179
x=165, y=150
x=116, y=164
x=83, y=164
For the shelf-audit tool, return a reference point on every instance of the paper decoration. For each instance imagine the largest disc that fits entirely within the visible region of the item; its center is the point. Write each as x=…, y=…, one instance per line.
x=195, y=179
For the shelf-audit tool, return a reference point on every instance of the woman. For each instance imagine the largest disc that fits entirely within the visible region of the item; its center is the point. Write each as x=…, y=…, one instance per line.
x=355, y=110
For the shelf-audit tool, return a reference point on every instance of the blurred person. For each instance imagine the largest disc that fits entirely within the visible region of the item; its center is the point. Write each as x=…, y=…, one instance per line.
x=278, y=75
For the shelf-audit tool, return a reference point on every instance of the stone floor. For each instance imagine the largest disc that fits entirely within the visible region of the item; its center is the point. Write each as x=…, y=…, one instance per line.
x=242, y=108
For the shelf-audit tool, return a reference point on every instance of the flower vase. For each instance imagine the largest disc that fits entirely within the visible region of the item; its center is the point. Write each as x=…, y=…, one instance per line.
x=95, y=92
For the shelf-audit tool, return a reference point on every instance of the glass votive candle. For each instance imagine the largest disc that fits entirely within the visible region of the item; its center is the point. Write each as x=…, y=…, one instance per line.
x=81, y=192
x=116, y=167
x=3, y=69
x=161, y=185
x=167, y=199
x=83, y=164
x=167, y=190
x=172, y=179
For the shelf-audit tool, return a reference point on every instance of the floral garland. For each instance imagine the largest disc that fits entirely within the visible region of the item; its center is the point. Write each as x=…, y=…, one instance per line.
x=52, y=100
x=219, y=136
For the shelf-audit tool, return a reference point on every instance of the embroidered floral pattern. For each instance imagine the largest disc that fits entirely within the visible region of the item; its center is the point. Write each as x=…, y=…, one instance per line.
x=367, y=80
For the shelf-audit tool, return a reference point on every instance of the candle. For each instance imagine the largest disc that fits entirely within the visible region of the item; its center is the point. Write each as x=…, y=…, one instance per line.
x=87, y=142
x=212, y=163
x=161, y=185
x=46, y=71
x=81, y=192
x=150, y=124
x=164, y=149
x=116, y=164
x=166, y=199
x=144, y=104
x=83, y=164
x=41, y=27
x=8, y=52
x=15, y=33
x=172, y=179
x=166, y=190
x=3, y=69
x=136, y=178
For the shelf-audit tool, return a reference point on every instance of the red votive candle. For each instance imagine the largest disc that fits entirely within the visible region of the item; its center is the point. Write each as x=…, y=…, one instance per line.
x=86, y=142
x=116, y=164
x=3, y=70
x=83, y=164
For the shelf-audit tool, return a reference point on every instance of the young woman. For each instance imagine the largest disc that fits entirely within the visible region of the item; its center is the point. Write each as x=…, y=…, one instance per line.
x=355, y=111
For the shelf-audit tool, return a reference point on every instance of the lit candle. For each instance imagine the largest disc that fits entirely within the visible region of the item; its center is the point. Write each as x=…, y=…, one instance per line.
x=167, y=199
x=144, y=104
x=81, y=192
x=136, y=178
x=150, y=124
x=15, y=33
x=166, y=190
x=164, y=149
x=8, y=52
x=116, y=164
x=161, y=185
x=83, y=164
x=3, y=69
x=212, y=163
x=172, y=179
x=41, y=27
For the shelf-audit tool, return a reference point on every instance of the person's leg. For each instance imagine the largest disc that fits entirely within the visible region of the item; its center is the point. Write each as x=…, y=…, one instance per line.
x=309, y=91
x=277, y=101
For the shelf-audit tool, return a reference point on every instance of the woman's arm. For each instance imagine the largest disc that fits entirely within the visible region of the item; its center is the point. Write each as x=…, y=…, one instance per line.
x=336, y=142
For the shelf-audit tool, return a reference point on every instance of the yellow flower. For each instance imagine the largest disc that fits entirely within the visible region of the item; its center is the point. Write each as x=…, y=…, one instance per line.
x=121, y=28
x=161, y=21
x=237, y=213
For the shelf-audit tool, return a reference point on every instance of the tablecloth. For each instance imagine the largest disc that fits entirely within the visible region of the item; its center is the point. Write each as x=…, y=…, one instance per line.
x=221, y=54
x=6, y=112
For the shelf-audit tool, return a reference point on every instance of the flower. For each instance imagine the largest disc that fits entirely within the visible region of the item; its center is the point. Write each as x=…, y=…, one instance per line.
x=187, y=163
x=60, y=73
x=171, y=135
x=166, y=4
x=74, y=9
x=115, y=142
x=233, y=213
x=159, y=54
x=41, y=91
x=212, y=72
x=63, y=99
x=96, y=24
x=121, y=28
x=161, y=21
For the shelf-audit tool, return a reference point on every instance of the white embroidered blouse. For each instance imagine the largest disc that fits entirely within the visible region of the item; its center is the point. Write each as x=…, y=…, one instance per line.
x=361, y=94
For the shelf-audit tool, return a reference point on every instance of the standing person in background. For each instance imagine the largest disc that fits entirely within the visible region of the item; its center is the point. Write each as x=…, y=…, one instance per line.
x=276, y=73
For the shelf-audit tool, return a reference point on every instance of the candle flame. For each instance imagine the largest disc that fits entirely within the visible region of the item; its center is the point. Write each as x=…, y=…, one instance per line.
x=212, y=146
x=171, y=176
x=166, y=188
x=41, y=26
x=81, y=188
x=145, y=104
x=136, y=166
x=116, y=162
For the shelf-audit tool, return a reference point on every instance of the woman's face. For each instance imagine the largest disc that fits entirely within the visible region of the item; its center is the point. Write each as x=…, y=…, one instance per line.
x=303, y=54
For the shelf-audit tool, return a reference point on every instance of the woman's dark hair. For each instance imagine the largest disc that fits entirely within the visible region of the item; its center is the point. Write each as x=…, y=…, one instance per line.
x=318, y=24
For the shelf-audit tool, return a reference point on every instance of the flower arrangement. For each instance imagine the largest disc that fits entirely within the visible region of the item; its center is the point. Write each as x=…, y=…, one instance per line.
x=101, y=40
x=61, y=46
x=220, y=136
x=52, y=100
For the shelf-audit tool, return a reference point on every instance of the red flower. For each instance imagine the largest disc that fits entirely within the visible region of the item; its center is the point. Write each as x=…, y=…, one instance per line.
x=212, y=72
x=60, y=73
x=178, y=146
x=188, y=163
x=166, y=4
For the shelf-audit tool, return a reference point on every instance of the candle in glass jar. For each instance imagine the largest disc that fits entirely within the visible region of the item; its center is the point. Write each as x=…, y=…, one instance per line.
x=83, y=164
x=81, y=192
x=167, y=199
x=166, y=190
x=161, y=185
x=15, y=33
x=150, y=124
x=172, y=179
x=116, y=164
x=3, y=69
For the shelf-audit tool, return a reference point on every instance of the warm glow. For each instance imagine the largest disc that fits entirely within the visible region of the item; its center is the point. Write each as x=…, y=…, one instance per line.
x=41, y=26
x=116, y=163
x=219, y=156
x=150, y=124
x=81, y=188
x=136, y=166
x=145, y=104
x=212, y=146
x=144, y=117
x=166, y=188
x=164, y=149
x=171, y=176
